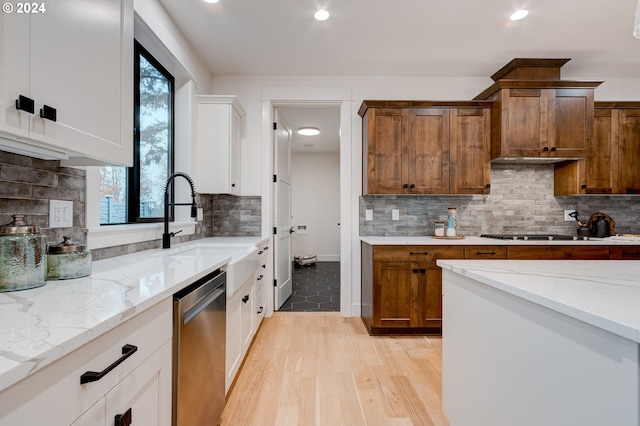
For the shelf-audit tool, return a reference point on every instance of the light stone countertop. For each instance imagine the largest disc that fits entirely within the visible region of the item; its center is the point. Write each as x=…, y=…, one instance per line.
x=40, y=325
x=428, y=240
x=602, y=293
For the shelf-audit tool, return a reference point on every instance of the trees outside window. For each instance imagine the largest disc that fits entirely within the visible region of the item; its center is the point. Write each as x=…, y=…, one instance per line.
x=136, y=194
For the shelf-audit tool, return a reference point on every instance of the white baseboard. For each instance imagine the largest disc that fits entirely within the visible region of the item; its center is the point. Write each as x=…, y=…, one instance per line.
x=328, y=258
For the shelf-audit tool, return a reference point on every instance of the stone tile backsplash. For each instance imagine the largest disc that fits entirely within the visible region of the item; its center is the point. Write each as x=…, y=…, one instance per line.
x=27, y=184
x=521, y=201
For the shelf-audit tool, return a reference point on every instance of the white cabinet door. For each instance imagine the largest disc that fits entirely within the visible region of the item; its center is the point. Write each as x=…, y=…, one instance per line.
x=247, y=317
x=74, y=57
x=233, y=357
x=146, y=392
x=94, y=416
x=14, y=72
x=219, y=152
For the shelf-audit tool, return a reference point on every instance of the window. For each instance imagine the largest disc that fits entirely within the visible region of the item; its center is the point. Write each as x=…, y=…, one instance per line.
x=136, y=194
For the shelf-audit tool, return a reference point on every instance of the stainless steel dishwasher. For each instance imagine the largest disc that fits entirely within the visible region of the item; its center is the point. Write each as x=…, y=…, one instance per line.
x=199, y=321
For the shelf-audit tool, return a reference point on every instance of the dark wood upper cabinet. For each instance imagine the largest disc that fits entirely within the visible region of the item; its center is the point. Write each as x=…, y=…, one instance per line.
x=413, y=147
x=535, y=114
x=611, y=164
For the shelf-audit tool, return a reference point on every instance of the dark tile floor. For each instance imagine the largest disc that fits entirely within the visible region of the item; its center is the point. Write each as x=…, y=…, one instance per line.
x=315, y=288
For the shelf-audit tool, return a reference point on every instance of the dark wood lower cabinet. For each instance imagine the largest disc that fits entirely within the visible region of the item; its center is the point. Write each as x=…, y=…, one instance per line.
x=402, y=285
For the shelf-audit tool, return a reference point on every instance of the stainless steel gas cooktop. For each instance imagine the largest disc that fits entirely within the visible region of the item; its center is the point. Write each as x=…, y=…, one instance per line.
x=534, y=237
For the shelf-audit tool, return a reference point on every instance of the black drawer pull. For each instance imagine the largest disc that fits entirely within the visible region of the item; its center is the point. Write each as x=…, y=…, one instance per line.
x=630, y=253
x=260, y=277
x=554, y=149
x=94, y=376
x=415, y=271
x=124, y=419
x=405, y=186
x=48, y=113
x=423, y=271
x=25, y=104
x=418, y=252
x=545, y=149
x=245, y=298
x=260, y=252
x=260, y=310
x=479, y=253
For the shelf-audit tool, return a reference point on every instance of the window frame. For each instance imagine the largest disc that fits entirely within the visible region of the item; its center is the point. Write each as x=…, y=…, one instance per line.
x=133, y=173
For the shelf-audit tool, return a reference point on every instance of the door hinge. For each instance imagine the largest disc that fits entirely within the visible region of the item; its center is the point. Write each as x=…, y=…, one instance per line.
x=275, y=283
x=275, y=178
x=275, y=231
x=275, y=126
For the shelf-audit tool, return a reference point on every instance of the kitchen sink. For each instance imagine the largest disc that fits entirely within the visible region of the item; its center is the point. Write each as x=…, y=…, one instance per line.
x=243, y=264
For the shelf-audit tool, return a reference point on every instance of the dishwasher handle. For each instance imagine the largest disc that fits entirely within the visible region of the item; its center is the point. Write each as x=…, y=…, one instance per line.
x=202, y=304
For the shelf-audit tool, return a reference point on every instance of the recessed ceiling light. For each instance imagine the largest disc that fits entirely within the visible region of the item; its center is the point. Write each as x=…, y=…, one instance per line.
x=308, y=131
x=519, y=14
x=211, y=1
x=321, y=15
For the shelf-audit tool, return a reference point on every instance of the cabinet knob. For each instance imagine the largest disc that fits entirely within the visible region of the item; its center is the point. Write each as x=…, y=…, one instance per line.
x=413, y=185
x=233, y=185
x=245, y=298
x=554, y=149
x=48, y=113
x=124, y=419
x=415, y=271
x=583, y=186
x=25, y=104
x=488, y=185
x=405, y=186
x=545, y=149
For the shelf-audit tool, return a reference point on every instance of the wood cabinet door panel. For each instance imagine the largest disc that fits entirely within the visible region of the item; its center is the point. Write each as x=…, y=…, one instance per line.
x=629, y=151
x=573, y=252
x=624, y=252
x=470, y=139
x=572, y=120
x=427, y=151
x=525, y=122
x=430, y=295
x=485, y=252
x=599, y=163
x=385, y=144
x=395, y=292
x=417, y=253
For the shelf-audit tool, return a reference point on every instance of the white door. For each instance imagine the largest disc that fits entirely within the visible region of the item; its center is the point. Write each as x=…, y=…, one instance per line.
x=282, y=212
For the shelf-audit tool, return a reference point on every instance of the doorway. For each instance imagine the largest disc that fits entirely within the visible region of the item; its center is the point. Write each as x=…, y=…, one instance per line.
x=350, y=170
x=307, y=202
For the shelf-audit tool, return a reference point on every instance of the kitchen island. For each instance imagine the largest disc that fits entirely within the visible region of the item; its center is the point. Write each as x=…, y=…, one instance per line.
x=541, y=342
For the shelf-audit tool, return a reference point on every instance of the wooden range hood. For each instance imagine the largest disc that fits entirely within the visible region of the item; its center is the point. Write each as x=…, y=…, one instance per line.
x=536, y=116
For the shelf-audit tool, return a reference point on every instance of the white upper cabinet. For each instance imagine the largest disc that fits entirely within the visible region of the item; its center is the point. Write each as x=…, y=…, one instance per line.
x=72, y=62
x=220, y=121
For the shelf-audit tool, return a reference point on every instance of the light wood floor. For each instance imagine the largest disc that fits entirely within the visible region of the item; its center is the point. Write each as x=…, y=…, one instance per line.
x=322, y=369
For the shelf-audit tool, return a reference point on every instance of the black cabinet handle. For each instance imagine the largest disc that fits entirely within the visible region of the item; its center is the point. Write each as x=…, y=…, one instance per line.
x=554, y=149
x=48, y=113
x=245, y=298
x=488, y=185
x=418, y=252
x=266, y=248
x=583, y=186
x=631, y=253
x=413, y=185
x=545, y=149
x=260, y=310
x=423, y=271
x=405, y=186
x=233, y=185
x=260, y=252
x=264, y=266
x=94, y=376
x=124, y=419
x=25, y=104
x=485, y=252
x=260, y=277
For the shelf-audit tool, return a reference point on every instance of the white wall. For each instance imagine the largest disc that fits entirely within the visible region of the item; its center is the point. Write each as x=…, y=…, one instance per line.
x=315, y=202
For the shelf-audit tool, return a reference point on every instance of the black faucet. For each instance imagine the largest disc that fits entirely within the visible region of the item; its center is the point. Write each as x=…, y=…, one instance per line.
x=166, y=236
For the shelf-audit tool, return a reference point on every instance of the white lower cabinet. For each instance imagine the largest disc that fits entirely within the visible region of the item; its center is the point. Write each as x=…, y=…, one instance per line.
x=141, y=382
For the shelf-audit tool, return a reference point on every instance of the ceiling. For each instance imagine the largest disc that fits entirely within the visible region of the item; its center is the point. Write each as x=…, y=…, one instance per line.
x=324, y=118
x=468, y=38
x=408, y=37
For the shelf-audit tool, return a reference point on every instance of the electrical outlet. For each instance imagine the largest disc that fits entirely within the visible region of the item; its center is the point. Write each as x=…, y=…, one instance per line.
x=566, y=215
x=200, y=217
x=395, y=214
x=368, y=214
x=60, y=214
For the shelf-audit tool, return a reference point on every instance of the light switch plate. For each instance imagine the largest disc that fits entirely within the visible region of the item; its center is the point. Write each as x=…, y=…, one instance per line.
x=395, y=214
x=368, y=214
x=60, y=214
x=568, y=218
